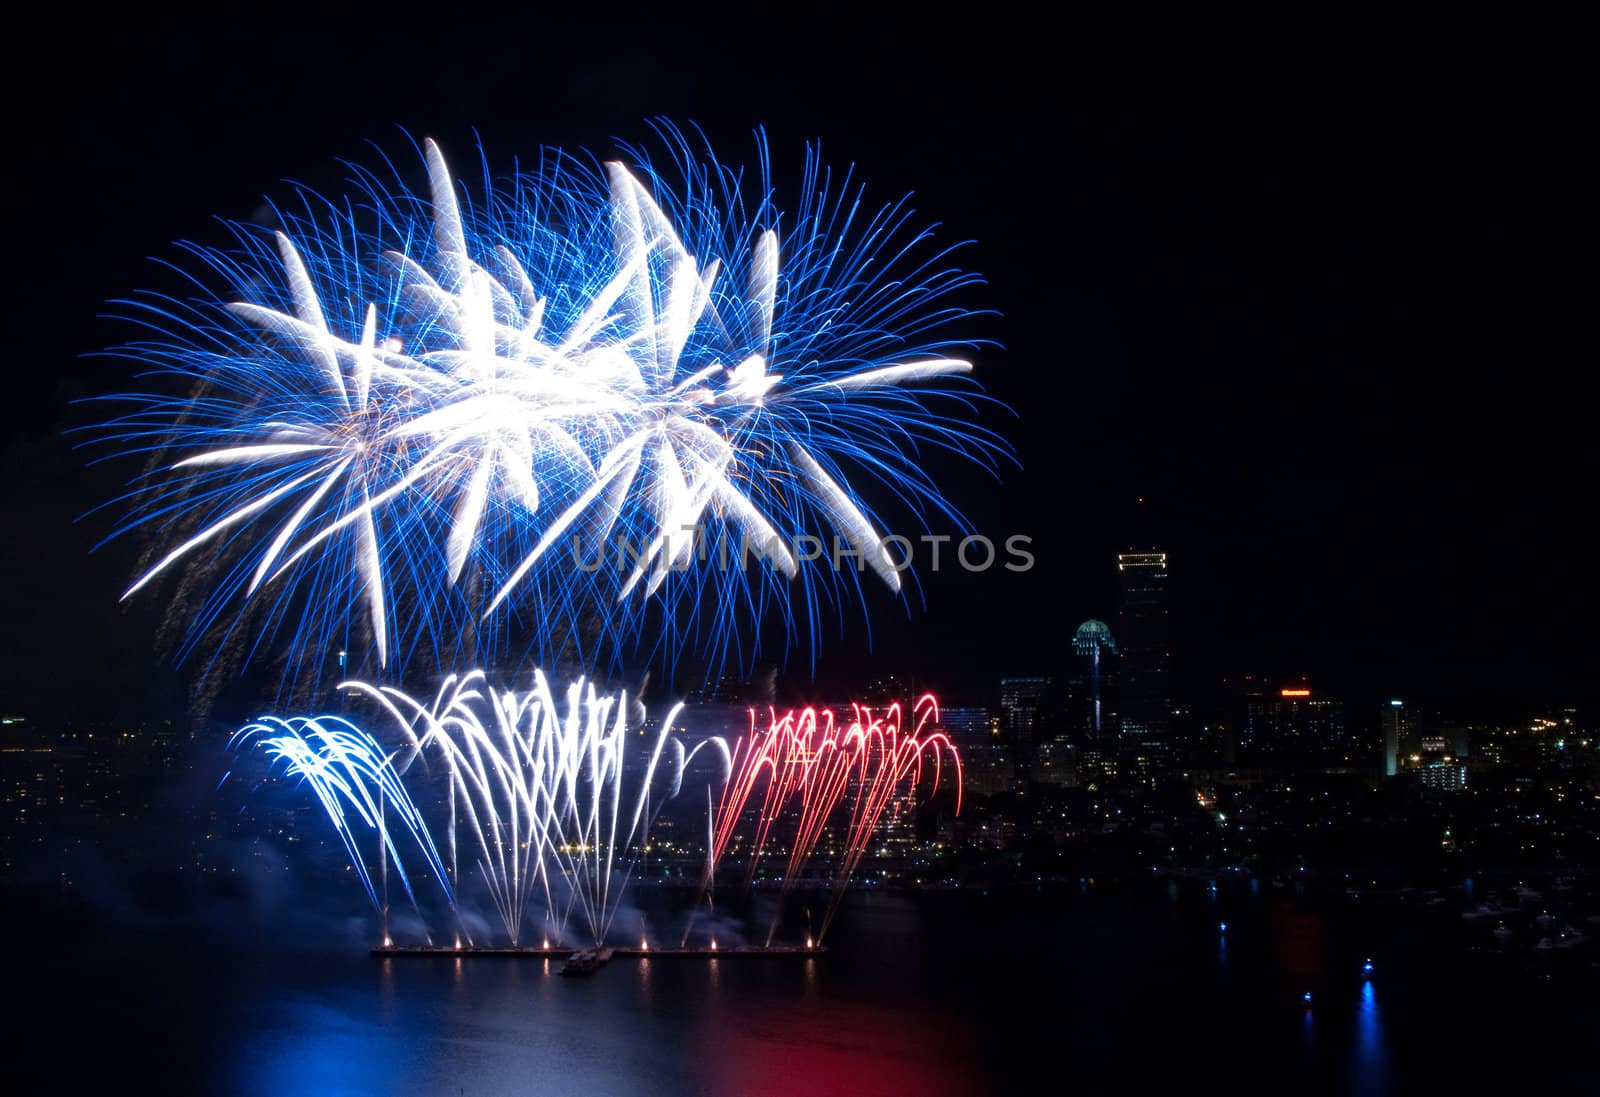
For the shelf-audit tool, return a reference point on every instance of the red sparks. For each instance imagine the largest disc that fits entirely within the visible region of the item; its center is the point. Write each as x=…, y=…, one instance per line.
x=811, y=764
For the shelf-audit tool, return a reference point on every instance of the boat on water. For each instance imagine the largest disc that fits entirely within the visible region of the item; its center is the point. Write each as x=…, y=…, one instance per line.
x=586, y=961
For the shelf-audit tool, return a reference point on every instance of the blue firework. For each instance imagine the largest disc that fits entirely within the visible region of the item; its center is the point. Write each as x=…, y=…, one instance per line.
x=588, y=412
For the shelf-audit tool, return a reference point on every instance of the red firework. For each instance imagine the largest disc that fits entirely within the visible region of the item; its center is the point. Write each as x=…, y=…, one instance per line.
x=811, y=765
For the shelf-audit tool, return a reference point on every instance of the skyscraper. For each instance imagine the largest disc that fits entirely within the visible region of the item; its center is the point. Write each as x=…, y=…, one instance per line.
x=987, y=766
x=1396, y=729
x=1143, y=651
x=1019, y=703
x=1020, y=699
x=1094, y=646
x=1291, y=723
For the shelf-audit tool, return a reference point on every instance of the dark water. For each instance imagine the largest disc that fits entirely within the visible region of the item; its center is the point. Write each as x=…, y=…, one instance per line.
x=928, y=995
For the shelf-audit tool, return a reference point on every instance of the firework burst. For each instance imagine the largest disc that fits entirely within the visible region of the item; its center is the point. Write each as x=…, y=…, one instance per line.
x=510, y=421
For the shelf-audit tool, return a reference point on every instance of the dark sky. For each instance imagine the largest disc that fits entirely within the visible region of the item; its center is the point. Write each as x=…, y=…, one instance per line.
x=1309, y=291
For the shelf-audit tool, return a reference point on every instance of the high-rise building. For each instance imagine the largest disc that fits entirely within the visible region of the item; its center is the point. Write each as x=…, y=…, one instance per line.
x=1020, y=701
x=1447, y=774
x=987, y=766
x=1093, y=647
x=966, y=725
x=1397, y=724
x=1055, y=762
x=1143, y=652
x=1290, y=722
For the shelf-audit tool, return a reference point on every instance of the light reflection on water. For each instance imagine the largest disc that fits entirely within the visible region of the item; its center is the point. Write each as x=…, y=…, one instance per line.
x=725, y=1026
x=908, y=1001
x=876, y=1016
x=933, y=995
x=1369, y=1059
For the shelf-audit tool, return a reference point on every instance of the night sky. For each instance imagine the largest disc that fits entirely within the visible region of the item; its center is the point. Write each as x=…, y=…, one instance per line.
x=1308, y=292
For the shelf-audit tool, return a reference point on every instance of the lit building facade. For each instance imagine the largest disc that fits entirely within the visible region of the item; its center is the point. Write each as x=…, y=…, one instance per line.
x=987, y=765
x=1291, y=722
x=1056, y=763
x=1143, y=647
x=1020, y=702
x=1093, y=649
x=1446, y=775
x=1397, y=732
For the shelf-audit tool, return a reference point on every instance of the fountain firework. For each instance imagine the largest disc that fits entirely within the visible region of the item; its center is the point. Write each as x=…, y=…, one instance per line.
x=807, y=763
x=537, y=789
x=549, y=802
x=541, y=787
x=350, y=774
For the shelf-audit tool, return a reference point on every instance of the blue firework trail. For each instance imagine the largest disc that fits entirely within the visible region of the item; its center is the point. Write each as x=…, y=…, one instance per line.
x=356, y=783
x=408, y=424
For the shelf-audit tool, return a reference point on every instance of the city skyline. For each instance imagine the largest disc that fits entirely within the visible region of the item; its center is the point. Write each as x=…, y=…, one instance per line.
x=961, y=681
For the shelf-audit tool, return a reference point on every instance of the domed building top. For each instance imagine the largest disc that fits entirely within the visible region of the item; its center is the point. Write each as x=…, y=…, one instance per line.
x=1093, y=634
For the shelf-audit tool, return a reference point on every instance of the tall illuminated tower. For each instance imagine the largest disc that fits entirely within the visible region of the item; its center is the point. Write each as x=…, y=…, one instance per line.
x=1397, y=730
x=1093, y=643
x=1143, y=648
